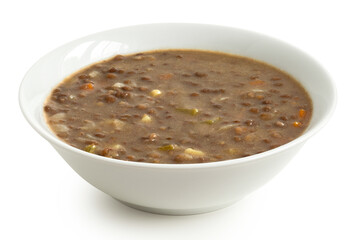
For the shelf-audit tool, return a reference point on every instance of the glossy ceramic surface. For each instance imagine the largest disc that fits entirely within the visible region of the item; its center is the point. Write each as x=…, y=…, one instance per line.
x=165, y=188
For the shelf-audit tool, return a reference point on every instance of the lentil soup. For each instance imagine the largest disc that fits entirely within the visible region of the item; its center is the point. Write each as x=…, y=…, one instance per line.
x=178, y=106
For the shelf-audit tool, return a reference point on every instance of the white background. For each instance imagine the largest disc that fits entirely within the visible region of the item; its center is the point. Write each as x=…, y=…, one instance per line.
x=315, y=197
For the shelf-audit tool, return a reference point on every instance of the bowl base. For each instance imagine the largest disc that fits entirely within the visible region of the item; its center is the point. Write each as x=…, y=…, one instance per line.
x=176, y=212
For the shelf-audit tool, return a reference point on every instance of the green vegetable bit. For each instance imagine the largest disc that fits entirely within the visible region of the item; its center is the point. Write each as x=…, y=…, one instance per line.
x=191, y=111
x=167, y=147
x=212, y=121
x=90, y=148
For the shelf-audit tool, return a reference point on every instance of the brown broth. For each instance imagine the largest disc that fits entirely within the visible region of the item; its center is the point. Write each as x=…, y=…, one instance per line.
x=178, y=106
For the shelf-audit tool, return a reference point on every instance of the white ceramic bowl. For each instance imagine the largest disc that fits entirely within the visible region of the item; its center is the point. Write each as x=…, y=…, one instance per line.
x=166, y=188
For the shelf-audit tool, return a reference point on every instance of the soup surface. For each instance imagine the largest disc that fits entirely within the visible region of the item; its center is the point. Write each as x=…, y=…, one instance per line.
x=178, y=106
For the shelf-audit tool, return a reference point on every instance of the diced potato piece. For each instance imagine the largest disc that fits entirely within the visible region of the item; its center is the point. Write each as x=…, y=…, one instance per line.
x=146, y=118
x=60, y=128
x=224, y=98
x=233, y=151
x=183, y=157
x=124, y=104
x=194, y=152
x=117, y=147
x=144, y=57
x=88, y=125
x=155, y=93
x=58, y=117
x=257, y=90
x=118, y=85
x=116, y=123
x=93, y=74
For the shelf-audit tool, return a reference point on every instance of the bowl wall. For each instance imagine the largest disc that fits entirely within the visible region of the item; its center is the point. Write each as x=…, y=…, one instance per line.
x=175, y=189
x=178, y=191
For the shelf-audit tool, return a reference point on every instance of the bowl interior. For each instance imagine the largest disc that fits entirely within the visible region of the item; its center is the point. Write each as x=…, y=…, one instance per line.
x=55, y=66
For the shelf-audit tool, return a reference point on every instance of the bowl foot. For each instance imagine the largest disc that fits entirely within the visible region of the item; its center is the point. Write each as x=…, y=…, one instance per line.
x=176, y=212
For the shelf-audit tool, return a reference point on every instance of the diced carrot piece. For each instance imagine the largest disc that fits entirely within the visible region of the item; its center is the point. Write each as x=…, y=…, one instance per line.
x=297, y=124
x=257, y=82
x=302, y=113
x=87, y=86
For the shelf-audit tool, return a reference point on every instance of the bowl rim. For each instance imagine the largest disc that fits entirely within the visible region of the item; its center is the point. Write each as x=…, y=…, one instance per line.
x=224, y=163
